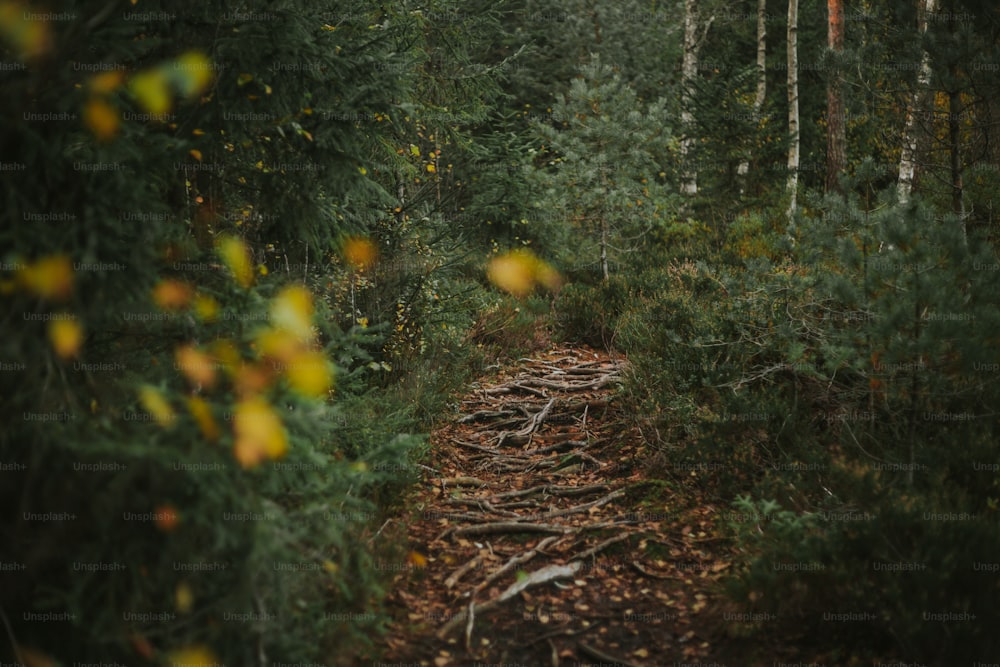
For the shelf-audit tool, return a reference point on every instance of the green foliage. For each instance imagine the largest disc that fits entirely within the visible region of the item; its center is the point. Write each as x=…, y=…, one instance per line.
x=601, y=165
x=158, y=502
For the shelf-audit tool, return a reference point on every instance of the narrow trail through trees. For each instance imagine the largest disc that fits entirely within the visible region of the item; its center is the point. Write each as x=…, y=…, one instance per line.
x=534, y=538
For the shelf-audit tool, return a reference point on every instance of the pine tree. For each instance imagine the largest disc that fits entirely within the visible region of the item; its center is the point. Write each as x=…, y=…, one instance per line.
x=603, y=160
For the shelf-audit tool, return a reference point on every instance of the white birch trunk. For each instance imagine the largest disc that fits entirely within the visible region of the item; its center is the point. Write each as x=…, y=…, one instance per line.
x=793, y=107
x=908, y=152
x=758, y=101
x=689, y=71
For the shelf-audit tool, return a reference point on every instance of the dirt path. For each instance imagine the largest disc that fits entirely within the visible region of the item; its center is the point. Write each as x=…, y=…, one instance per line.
x=536, y=540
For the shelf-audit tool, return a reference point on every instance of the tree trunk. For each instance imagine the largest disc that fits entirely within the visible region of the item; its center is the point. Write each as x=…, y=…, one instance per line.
x=758, y=101
x=793, y=108
x=908, y=152
x=604, y=249
x=836, y=137
x=689, y=71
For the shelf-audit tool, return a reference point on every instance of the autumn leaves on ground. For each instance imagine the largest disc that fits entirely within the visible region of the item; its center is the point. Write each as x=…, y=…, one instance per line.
x=534, y=537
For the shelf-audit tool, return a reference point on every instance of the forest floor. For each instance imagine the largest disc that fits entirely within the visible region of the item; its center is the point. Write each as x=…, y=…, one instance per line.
x=536, y=538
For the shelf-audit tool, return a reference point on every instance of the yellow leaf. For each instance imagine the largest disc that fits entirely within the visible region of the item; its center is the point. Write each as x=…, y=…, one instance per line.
x=243, y=79
x=513, y=273
x=66, y=336
x=170, y=294
x=519, y=271
x=259, y=433
x=195, y=153
x=152, y=91
x=360, y=252
x=192, y=72
x=277, y=344
x=29, y=37
x=362, y=170
x=328, y=27
x=157, y=405
x=50, y=277
x=236, y=256
x=101, y=119
x=251, y=379
x=206, y=308
x=547, y=276
x=292, y=311
x=106, y=82
x=309, y=374
x=196, y=132
x=417, y=559
x=183, y=597
x=192, y=656
x=431, y=168
x=197, y=366
x=330, y=566
x=414, y=150
x=202, y=414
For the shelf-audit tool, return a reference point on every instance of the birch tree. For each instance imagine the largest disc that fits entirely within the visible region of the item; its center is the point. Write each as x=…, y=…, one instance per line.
x=758, y=101
x=694, y=37
x=907, y=155
x=793, y=107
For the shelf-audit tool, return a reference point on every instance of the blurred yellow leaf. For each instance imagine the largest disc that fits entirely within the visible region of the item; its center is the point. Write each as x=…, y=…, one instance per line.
x=251, y=379
x=206, y=308
x=414, y=150
x=101, y=119
x=192, y=656
x=277, y=344
x=259, y=433
x=330, y=566
x=66, y=336
x=107, y=82
x=197, y=366
x=157, y=405
x=202, y=414
x=30, y=38
x=183, y=597
x=170, y=294
x=431, y=168
x=195, y=153
x=417, y=559
x=50, y=277
x=151, y=90
x=292, y=310
x=236, y=257
x=309, y=374
x=192, y=72
x=547, y=276
x=519, y=271
x=360, y=252
x=513, y=272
